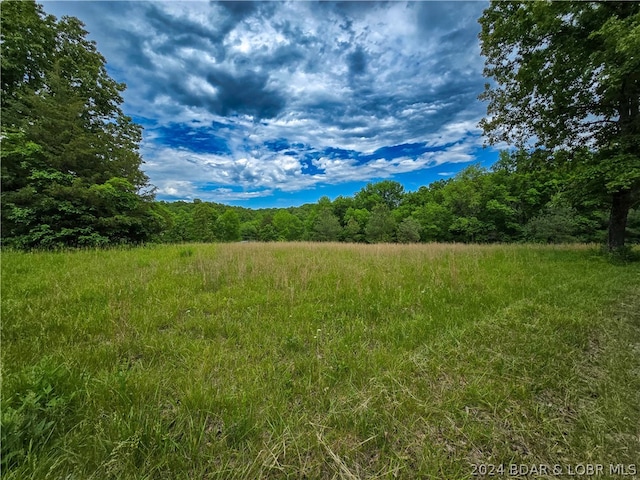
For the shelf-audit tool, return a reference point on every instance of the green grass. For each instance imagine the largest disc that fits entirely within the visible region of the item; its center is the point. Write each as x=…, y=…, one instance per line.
x=316, y=361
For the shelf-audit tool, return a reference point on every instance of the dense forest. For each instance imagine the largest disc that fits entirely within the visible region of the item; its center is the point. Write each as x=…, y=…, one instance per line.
x=72, y=172
x=511, y=202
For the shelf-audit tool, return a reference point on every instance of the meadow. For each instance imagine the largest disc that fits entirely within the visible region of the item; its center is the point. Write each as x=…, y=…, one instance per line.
x=318, y=361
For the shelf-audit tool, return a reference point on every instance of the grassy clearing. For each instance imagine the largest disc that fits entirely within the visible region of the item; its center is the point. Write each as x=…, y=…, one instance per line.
x=316, y=361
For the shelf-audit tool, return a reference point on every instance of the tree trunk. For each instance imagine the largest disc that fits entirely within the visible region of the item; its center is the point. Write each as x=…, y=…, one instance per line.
x=620, y=204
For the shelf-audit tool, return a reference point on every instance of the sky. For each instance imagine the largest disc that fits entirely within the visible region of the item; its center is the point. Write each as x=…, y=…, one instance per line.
x=276, y=104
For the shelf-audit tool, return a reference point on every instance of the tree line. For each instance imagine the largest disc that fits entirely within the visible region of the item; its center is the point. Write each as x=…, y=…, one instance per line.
x=511, y=202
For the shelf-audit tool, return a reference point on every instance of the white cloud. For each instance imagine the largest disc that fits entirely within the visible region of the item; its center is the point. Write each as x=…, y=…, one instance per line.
x=288, y=71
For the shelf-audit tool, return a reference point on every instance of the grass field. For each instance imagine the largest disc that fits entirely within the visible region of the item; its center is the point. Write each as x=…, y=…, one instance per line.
x=317, y=361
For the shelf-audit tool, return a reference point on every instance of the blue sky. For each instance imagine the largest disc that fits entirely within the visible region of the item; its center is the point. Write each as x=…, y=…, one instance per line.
x=275, y=104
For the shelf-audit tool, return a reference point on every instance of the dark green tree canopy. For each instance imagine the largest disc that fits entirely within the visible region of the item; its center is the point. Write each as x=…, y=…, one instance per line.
x=70, y=161
x=565, y=72
x=388, y=192
x=567, y=78
x=28, y=38
x=326, y=227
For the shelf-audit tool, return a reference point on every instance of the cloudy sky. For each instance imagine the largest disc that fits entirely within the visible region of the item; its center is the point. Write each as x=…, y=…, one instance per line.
x=279, y=103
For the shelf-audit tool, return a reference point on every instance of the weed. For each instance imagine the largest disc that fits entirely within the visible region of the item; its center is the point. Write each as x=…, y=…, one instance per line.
x=34, y=413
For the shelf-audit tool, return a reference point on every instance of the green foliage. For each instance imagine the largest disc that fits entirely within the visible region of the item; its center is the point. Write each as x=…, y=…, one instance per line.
x=28, y=37
x=408, y=231
x=267, y=232
x=558, y=223
x=204, y=222
x=352, y=231
x=341, y=205
x=435, y=220
x=34, y=407
x=468, y=229
x=228, y=226
x=565, y=77
x=515, y=201
x=381, y=226
x=288, y=226
x=70, y=163
x=248, y=231
x=633, y=225
x=326, y=227
x=556, y=65
x=387, y=192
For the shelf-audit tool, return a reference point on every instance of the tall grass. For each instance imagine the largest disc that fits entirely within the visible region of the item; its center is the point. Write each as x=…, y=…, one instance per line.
x=316, y=361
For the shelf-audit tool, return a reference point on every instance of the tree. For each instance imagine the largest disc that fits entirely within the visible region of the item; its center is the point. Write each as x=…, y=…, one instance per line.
x=381, y=225
x=567, y=78
x=28, y=37
x=435, y=220
x=204, y=222
x=340, y=206
x=288, y=226
x=267, y=233
x=326, y=227
x=355, y=220
x=70, y=162
x=558, y=223
x=408, y=231
x=352, y=231
x=468, y=229
x=228, y=226
x=249, y=231
x=388, y=192
x=182, y=228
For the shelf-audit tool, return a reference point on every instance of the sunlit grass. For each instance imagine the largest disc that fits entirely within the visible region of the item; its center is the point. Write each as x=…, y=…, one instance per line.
x=316, y=360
